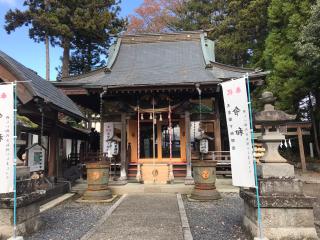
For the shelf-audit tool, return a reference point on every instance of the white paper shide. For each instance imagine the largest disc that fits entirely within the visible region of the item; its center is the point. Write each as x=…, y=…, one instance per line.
x=238, y=121
x=6, y=138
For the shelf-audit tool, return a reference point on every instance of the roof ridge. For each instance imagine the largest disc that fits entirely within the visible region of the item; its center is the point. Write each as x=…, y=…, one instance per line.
x=161, y=37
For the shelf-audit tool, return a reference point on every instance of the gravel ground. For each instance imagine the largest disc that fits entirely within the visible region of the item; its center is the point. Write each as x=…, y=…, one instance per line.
x=216, y=220
x=69, y=221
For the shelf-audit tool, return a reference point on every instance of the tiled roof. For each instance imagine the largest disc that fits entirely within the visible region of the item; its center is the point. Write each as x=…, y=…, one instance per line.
x=158, y=60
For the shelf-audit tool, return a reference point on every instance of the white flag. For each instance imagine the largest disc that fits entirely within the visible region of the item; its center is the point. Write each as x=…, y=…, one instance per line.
x=238, y=121
x=6, y=138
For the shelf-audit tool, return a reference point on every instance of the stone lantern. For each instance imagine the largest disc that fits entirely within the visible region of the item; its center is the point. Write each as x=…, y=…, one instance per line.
x=286, y=213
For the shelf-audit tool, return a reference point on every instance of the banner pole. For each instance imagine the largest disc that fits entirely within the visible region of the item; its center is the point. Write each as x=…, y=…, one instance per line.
x=254, y=159
x=15, y=160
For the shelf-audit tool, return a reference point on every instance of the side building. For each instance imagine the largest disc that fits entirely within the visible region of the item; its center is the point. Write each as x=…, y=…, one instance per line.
x=40, y=107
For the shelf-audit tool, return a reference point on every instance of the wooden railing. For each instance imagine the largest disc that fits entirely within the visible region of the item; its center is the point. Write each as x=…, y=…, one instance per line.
x=224, y=162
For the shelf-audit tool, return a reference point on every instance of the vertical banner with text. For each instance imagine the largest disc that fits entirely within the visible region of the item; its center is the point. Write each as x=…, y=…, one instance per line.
x=239, y=132
x=6, y=138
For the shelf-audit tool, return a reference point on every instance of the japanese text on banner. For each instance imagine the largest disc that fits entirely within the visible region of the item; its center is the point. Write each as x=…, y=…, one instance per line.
x=6, y=138
x=238, y=121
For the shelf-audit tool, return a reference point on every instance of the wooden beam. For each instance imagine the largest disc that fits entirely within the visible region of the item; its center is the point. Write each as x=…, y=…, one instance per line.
x=52, y=157
x=75, y=91
x=296, y=133
x=301, y=150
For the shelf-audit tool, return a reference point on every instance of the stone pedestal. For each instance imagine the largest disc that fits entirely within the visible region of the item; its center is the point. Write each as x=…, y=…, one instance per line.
x=286, y=213
x=28, y=209
x=98, y=178
x=204, y=174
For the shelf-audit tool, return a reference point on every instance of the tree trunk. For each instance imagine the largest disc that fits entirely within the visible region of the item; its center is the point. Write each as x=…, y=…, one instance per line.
x=47, y=59
x=65, y=58
x=314, y=126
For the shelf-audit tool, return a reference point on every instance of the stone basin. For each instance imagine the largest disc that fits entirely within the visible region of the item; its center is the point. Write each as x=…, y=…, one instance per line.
x=204, y=174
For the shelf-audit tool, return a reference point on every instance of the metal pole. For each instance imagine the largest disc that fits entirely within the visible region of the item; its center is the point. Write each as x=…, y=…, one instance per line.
x=15, y=160
x=254, y=159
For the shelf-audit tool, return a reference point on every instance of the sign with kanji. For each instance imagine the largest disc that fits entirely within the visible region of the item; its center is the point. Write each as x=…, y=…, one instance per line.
x=6, y=138
x=238, y=121
x=36, y=156
x=108, y=132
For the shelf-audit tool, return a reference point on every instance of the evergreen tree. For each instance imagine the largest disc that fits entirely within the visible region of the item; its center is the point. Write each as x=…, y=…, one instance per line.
x=199, y=14
x=241, y=35
x=288, y=75
x=67, y=21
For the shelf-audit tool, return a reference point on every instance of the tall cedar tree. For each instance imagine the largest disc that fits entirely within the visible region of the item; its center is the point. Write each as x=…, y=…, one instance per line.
x=288, y=75
x=241, y=35
x=67, y=21
x=199, y=14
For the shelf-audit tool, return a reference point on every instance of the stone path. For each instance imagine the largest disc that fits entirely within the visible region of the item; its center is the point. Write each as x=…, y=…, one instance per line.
x=143, y=217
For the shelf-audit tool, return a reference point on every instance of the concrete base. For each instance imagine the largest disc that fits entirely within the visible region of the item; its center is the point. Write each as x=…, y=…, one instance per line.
x=119, y=182
x=282, y=217
x=281, y=233
x=27, y=220
x=97, y=195
x=189, y=180
x=269, y=170
x=205, y=195
x=81, y=200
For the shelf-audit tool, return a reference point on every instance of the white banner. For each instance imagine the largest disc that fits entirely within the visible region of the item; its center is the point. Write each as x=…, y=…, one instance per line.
x=238, y=121
x=6, y=138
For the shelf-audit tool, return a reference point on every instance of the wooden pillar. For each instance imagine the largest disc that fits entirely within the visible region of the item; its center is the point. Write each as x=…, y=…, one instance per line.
x=217, y=128
x=189, y=179
x=301, y=150
x=123, y=172
x=52, y=154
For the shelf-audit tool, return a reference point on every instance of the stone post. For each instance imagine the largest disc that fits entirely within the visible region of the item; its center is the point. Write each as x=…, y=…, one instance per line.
x=189, y=179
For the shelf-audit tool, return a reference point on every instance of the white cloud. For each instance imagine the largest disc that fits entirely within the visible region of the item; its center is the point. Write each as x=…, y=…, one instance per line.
x=8, y=2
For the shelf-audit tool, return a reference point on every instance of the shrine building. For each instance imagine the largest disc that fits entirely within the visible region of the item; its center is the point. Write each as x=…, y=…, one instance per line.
x=154, y=83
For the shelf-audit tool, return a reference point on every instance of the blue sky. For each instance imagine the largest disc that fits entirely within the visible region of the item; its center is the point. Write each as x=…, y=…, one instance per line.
x=19, y=46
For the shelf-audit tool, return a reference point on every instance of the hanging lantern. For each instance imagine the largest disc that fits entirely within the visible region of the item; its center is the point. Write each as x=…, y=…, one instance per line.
x=204, y=145
x=150, y=116
x=160, y=119
x=142, y=116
